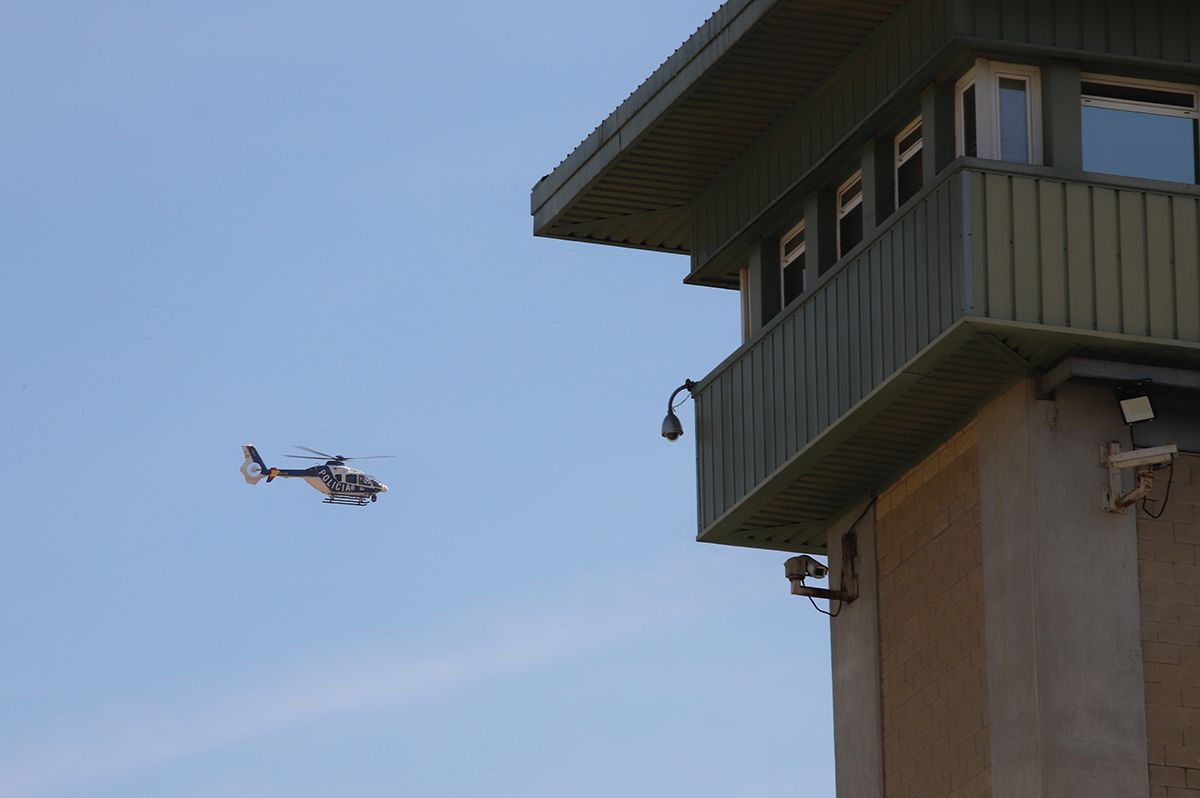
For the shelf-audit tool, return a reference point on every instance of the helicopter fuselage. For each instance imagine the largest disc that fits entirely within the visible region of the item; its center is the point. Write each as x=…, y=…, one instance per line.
x=340, y=483
x=332, y=479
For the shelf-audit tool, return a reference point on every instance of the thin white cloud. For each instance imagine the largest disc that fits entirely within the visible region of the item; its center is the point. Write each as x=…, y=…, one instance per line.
x=84, y=751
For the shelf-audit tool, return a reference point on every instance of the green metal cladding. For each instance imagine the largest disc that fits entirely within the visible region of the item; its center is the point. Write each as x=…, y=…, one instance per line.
x=787, y=153
x=993, y=273
x=785, y=162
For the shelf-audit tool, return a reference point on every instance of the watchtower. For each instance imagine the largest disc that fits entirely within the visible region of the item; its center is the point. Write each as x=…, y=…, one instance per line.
x=966, y=236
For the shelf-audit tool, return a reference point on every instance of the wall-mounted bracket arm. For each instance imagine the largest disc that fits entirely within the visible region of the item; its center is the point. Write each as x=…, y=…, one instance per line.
x=797, y=570
x=1143, y=460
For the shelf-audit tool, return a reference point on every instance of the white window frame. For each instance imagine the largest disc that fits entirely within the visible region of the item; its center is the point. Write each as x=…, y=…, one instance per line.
x=843, y=211
x=900, y=158
x=960, y=132
x=744, y=292
x=986, y=76
x=786, y=258
x=1137, y=105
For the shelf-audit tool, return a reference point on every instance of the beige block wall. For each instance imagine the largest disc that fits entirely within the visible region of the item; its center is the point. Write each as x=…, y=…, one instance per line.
x=933, y=666
x=1169, y=572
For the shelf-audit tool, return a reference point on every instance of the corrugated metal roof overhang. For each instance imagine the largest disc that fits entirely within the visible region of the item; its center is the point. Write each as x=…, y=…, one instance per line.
x=631, y=181
x=907, y=418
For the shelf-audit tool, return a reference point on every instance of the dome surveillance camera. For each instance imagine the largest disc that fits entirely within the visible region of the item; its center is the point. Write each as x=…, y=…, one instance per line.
x=672, y=429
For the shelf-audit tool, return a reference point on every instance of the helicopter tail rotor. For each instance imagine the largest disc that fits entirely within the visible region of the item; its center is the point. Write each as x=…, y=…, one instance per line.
x=253, y=468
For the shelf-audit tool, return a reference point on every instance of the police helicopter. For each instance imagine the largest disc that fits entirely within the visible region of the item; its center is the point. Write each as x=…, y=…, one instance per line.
x=340, y=483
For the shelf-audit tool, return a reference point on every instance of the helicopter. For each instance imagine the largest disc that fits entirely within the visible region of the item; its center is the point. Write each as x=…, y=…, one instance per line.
x=340, y=483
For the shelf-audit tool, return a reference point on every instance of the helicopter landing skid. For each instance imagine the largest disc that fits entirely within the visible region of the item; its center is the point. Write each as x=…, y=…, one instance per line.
x=360, y=501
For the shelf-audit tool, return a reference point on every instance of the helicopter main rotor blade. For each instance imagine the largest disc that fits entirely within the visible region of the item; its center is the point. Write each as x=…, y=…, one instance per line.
x=306, y=457
x=314, y=451
x=371, y=457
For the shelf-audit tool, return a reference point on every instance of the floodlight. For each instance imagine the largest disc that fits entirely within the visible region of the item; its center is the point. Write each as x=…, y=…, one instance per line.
x=1134, y=398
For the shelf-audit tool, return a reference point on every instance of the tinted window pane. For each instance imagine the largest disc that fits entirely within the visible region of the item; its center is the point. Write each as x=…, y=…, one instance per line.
x=1141, y=94
x=970, y=139
x=793, y=279
x=908, y=141
x=1014, y=123
x=1139, y=145
x=909, y=178
x=850, y=230
x=792, y=244
x=852, y=192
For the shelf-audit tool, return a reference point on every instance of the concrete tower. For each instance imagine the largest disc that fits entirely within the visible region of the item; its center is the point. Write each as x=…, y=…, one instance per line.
x=962, y=231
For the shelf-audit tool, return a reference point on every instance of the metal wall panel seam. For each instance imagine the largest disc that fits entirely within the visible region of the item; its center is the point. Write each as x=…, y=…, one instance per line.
x=1194, y=31
x=912, y=287
x=1106, y=231
x=1000, y=285
x=731, y=453
x=829, y=137
x=1052, y=256
x=1027, y=237
x=877, y=327
x=854, y=326
x=1160, y=322
x=980, y=249
x=1132, y=248
x=924, y=274
x=782, y=371
x=965, y=271
x=841, y=350
x=1120, y=27
x=1187, y=269
x=888, y=300
x=704, y=459
x=765, y=383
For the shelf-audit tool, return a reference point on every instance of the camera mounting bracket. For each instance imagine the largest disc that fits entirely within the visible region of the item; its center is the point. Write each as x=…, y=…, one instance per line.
x=1143, y=460
x=849, y=576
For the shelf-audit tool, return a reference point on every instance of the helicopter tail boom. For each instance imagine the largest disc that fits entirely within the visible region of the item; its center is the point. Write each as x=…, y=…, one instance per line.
x=253, y=468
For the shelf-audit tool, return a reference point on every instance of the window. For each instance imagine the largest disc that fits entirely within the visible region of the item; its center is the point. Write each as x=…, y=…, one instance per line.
x=968, y=136
x=352, y=479
x=1140, y=129
x=744, y=293
x=791, y=260
x=999, y=113
x=850, y=214
x=910, y=176
x=1013, y=119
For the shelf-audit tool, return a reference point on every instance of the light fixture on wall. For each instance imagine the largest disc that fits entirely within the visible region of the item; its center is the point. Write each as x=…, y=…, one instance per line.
x=1134, y=397
x=672, y=429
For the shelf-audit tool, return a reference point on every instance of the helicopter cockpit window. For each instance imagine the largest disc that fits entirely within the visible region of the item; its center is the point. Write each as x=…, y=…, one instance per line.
x=351, y=478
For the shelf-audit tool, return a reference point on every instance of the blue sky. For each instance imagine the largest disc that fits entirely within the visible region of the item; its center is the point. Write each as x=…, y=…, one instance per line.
x=309, y=224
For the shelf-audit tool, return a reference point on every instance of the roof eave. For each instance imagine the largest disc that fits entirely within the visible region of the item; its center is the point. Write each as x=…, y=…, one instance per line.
x=622, y=129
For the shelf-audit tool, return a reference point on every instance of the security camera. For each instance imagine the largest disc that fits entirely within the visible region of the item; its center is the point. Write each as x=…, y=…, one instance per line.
x=1143, y=461
x=803, y=567
x=671, y=428
x=1140, y=458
